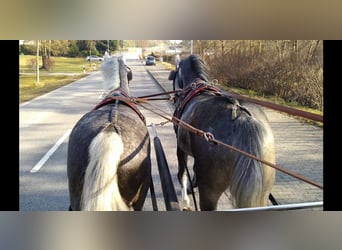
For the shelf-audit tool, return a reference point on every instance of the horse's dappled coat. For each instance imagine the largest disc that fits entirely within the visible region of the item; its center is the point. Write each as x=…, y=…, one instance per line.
x=109, y=165
x=237, y=123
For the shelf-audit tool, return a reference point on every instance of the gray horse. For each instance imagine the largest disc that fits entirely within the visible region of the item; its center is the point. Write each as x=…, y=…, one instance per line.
x=109, y=165
x=236, y=123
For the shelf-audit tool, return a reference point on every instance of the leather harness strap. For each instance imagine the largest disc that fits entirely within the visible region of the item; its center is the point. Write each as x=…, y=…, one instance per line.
x=201, y=86
x=123, y=97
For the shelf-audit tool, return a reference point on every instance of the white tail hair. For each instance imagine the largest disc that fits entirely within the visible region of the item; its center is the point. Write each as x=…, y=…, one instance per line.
x=100, y=188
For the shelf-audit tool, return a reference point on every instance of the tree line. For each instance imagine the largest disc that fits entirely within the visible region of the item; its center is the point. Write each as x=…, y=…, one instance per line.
x=288, y=69
x=69, y=48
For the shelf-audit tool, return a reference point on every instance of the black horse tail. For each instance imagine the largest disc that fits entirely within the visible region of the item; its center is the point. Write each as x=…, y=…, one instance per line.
x=100, y=188
x=251, y=179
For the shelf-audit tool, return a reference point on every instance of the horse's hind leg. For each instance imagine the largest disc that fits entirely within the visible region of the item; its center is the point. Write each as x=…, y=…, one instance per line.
x=185, y=196
x=182, y=164
x=211, y=184
x=183, y=177
x=209, y=193
x=208, y=198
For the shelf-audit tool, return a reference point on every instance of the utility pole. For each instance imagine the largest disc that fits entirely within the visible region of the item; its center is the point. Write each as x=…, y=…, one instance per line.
x=37, y=62
x=191, y=45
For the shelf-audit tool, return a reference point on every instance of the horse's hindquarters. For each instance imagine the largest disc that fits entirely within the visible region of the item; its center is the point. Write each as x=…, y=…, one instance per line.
x=133, y=172
x=135, y=167
x=219, y=167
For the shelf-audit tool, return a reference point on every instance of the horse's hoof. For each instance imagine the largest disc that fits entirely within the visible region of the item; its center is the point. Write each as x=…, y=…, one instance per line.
x=188, y=209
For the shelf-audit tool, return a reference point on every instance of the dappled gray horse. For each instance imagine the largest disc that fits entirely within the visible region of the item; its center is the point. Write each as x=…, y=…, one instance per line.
x=108, y=165
x=236, y=123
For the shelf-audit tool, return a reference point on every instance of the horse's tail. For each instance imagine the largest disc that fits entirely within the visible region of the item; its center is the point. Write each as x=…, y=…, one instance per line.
x=100, y=188
x=251, y=179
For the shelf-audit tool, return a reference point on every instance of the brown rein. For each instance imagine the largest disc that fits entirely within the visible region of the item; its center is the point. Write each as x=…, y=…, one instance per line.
x=158, y=94
x=209, y=137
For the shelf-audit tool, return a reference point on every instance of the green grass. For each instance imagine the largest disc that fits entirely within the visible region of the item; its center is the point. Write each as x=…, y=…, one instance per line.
x=29, y=88
x=61, y=64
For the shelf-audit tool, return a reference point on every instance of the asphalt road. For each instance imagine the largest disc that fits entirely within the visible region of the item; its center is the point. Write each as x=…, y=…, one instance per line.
x=46, y=121
x=44, y=127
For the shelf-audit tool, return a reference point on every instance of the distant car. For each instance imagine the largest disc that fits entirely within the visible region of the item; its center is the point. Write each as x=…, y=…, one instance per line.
x=94, y=58
x=150, y=60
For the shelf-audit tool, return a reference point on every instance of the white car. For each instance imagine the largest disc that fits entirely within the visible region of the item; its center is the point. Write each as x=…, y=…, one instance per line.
x=94, y=58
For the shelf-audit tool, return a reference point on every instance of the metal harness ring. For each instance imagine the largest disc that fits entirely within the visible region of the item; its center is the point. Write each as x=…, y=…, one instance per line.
x=209, y=137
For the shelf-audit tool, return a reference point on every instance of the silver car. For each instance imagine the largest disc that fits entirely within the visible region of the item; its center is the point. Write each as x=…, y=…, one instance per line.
x=150, y=60
x=94, y=58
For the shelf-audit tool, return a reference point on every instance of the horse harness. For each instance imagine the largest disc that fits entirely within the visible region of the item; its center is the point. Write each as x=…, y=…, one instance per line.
x=117, y=96
x=198, y=87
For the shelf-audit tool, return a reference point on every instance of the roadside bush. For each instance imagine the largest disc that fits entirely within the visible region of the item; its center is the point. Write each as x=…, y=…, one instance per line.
x=291, y=78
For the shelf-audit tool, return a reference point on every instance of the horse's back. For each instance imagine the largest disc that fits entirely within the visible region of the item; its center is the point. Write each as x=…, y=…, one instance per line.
x=219, y=116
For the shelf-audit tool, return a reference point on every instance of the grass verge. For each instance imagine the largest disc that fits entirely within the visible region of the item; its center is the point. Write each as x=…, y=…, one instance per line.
x=29, y=89
x=69, y=69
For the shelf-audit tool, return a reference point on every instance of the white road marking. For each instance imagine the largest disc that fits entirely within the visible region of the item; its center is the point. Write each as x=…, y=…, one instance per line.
x=49, y=153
